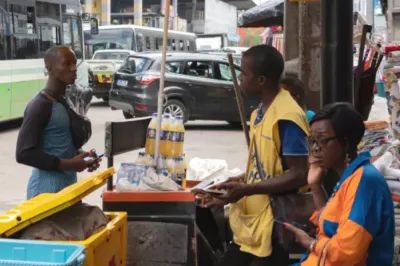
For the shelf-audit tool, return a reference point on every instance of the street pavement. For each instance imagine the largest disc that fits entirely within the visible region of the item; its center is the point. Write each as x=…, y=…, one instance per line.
x=203, y=139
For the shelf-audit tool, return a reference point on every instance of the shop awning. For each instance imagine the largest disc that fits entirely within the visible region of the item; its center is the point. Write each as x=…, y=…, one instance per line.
x=267, y=14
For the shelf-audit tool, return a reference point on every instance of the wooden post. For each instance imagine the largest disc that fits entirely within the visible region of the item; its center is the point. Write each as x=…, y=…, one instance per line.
x=162, y=79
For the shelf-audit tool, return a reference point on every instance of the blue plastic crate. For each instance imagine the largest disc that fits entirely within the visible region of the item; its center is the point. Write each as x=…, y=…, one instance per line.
x=40, y=253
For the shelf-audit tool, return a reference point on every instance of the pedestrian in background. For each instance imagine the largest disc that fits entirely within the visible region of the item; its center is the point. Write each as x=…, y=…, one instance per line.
x=297, y=89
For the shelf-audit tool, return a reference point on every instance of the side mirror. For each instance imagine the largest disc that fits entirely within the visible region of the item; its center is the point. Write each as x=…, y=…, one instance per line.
x=94, y=26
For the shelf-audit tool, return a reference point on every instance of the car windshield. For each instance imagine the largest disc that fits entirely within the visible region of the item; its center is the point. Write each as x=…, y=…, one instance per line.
x=109, y=55
x=135, y=65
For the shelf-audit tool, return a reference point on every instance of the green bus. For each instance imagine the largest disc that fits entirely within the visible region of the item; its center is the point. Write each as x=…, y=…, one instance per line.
x=27, y=29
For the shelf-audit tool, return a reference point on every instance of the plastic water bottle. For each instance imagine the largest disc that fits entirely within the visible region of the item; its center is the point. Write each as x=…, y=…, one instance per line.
x=141, y=159
x=127, y=174
x=178, y=173
x=162, y=166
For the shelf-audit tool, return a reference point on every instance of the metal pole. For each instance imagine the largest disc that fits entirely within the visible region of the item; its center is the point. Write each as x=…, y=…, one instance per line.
x=137, y=12
x=337, y=51
x=162, y=79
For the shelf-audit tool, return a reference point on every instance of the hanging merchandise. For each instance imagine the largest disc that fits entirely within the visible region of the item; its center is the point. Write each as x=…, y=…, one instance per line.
x=392, y=48
x=277, y=41
x=369, y=57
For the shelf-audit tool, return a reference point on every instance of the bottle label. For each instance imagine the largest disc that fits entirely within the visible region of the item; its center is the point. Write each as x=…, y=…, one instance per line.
x=151, y=133
x=164, y=135
x=176, y=136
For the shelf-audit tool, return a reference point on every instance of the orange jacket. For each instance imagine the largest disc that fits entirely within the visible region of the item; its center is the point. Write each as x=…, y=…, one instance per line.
x=358, y=220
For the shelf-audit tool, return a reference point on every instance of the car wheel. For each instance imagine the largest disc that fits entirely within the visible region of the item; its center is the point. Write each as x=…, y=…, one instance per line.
x=127, y=115
x=176, y=108
x=106, y=99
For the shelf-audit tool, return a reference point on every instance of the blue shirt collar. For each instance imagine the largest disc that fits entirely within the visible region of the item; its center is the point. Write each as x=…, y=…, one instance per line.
x=362, y=159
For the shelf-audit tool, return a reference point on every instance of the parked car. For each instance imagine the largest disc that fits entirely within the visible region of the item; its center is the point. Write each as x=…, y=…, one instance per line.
x=197, y=86
x=103, y=65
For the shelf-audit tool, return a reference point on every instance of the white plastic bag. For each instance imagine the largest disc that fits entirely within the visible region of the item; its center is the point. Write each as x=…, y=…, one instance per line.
x=210, y=169
x=379, y=110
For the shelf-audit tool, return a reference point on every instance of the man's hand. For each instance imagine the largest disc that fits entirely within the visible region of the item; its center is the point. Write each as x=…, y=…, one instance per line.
x=96, y=161
x=301, y=236
x=234, y=191
x=208, y=201
x=239, y=179
x=77, y=163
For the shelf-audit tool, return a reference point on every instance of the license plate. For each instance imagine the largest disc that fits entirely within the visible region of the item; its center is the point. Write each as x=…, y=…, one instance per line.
x=123, y=83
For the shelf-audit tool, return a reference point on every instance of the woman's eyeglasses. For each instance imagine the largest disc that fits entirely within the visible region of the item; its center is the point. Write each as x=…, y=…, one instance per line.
x=321, y=142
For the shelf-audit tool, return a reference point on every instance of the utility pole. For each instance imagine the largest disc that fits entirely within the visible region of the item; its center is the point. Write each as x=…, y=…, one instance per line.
x=137, y=12
x=337, y=51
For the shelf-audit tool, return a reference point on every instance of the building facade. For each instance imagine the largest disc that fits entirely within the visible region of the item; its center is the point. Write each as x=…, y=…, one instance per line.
x=189, y=15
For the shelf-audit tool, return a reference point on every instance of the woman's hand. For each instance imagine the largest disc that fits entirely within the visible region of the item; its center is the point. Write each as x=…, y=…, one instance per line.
x=301, y=236
x=315, y=173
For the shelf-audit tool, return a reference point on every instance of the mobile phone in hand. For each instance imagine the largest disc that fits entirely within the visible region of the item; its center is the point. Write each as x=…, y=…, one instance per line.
x=281, y=221
x=97, y=156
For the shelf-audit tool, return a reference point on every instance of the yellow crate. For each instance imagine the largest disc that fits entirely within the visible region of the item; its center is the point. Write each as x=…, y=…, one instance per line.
x=105, y=248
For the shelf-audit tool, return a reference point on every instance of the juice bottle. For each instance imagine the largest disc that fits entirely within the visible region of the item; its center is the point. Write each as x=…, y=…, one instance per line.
x=172, y=139
x=164, y=135
x=150, y=147
x=176, y=138
x=181, y=130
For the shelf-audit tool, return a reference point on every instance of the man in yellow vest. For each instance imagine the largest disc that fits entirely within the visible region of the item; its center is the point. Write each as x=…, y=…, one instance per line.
x=279, y=127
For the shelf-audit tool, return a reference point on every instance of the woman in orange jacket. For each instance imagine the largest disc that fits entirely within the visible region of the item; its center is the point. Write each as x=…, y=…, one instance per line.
x=356, y=224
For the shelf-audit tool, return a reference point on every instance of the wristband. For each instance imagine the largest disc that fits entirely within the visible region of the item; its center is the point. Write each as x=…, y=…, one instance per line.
x=313, y=245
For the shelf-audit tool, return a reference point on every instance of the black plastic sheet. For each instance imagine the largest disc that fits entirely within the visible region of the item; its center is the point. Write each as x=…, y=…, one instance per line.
x=269, y=13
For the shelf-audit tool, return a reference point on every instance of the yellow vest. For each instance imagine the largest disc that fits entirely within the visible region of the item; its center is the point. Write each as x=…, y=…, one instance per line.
x=251, y=218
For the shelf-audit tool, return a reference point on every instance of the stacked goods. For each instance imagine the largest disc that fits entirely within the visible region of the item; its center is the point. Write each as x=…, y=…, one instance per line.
x=391, y=48
x=388, y=164
x=376, y=139
x=172, y=137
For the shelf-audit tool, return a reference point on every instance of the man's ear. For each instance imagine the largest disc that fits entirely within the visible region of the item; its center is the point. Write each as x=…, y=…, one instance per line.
x=48, y=68
x=261, y=80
